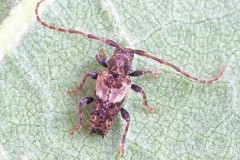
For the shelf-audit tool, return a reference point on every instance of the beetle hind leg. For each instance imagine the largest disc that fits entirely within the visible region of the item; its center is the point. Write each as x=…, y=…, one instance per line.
x=126, y=117
x=84, y=101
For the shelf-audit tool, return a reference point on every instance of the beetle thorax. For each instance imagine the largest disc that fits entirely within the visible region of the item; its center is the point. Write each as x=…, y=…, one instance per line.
x=121, y=62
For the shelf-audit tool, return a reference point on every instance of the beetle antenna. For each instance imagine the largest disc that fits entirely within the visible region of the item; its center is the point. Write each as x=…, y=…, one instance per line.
x=208, y=81
x=90, y=36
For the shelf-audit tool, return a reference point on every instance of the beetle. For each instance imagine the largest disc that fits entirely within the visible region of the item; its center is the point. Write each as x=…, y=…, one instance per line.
x=113, y=84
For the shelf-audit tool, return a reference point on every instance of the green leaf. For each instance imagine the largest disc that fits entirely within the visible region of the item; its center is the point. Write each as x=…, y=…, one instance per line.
x=38, y=66
x=5, y=7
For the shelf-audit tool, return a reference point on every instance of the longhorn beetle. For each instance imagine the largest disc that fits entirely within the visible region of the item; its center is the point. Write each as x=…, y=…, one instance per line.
x=113, y=85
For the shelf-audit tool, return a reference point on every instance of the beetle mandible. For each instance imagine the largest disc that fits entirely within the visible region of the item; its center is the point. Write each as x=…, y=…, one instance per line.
x=113, y=85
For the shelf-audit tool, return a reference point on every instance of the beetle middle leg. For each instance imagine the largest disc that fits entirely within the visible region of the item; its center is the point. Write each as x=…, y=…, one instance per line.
x=126, y=117
x=93, y=75
x=139, y=89
x=84, y=101
x=139, y=73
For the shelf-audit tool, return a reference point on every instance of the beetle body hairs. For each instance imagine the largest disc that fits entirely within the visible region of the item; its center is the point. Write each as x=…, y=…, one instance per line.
x=113, y=85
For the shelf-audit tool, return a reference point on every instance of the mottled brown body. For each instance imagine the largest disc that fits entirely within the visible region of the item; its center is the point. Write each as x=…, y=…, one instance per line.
x=103, y=115
x=113, y=85
x=110, y=94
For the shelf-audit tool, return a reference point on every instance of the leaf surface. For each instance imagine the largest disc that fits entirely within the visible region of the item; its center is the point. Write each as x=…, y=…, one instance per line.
x=195, y=121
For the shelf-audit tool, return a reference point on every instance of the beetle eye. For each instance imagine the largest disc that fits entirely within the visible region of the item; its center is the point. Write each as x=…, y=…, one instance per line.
x=111, y=63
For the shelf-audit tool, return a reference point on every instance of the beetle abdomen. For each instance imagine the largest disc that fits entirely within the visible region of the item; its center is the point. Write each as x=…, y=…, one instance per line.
x=103, y=115
x=110, y=94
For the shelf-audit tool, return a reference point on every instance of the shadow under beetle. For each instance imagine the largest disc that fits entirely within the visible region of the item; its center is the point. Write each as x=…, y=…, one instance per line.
x=113, y=85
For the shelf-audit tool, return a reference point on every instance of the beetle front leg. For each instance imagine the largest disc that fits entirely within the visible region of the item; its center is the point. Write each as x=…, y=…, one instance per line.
x=84, y=101
x=102, y=58
x=126, y=117
x=139, y=73
x=93, y=75
x=139, y=89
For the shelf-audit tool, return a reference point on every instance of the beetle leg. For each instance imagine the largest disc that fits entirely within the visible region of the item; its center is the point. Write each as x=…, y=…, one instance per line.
x=126, y=117
x=84, y=101
x=139, y=89
x=101, y=58
x=139, y=73
x=93, y=75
